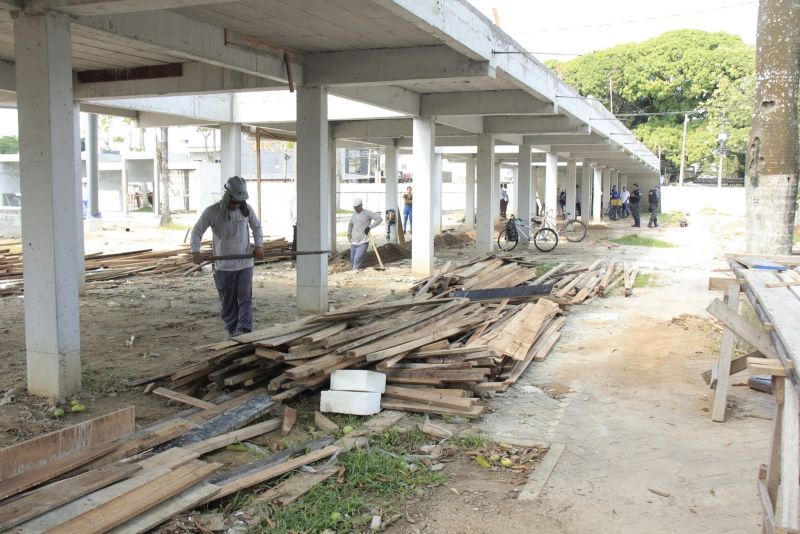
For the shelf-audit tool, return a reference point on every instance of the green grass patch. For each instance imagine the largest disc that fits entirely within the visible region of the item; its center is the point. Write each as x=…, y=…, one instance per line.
x=374, y=480
x=635, y=240
x=399, y=441
x=645, y=280
x=143, y=210
x=468, y=441
x=344, y=212
x=544, y=267
x=672, y=217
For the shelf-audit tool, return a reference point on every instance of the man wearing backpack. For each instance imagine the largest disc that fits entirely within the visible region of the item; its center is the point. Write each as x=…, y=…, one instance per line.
x=653, y=200
x=635, y=198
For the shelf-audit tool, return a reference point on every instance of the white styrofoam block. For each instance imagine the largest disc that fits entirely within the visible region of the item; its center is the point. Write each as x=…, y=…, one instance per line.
x=357, y=380
x=350, y=402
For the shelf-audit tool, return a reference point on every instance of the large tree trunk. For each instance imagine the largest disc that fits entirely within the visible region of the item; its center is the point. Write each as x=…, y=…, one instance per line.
x=772, y=171
x=162, y=152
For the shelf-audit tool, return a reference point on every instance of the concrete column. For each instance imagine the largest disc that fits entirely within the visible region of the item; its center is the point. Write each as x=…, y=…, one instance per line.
x=535, y=175
x=596, y=193
x=231, y=151
x=570, y=185
x=495, y=192
x=606, y=185
x=313, y=197
x=586, y=191
x=551, y=183
x=513, y=205
x=92, y=167
x=424, y=133
x=469, y=209
x=392, y=194
x=124, y=186
x=623, y=180
x=488, y=193
x=156, y=203
x=81, y=248
x=334, y=205
x=437, y=194
x=523, y=190
x=50, y=219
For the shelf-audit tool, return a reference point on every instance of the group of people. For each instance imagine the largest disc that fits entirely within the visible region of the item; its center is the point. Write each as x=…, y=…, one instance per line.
x=632, y=201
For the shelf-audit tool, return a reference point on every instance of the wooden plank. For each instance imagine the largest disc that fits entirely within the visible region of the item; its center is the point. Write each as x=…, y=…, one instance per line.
x=242, y=434
x=766, y=366
x=423, y=396
x=275, y=471
x=54, y=495
x=790, y=460
x=18, y=458
x=180, y=397
x=127, y=506
x=408, y=346
x=724, y=362
x=738, y=365
x=295, y=487
x=537, y=481
x=504, y=292
x=421, y=407
x=773, y=471
x=162, y=512
x=289, y=417
x=325, y=424
x=39, y=475
x=759, y=339
x=152, y=468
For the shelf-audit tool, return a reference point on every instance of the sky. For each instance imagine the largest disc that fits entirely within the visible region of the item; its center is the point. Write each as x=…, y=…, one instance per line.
x=563, y=29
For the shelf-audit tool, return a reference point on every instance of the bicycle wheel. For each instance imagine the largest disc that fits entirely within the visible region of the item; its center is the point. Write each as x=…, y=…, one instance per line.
x=507, y=240
x=545, y=239
x=574, y=231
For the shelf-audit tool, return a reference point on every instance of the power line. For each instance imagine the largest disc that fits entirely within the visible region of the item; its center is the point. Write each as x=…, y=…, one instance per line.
x=634, y=21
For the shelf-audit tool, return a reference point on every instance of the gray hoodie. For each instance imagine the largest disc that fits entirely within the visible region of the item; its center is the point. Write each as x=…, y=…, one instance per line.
x=231, y=235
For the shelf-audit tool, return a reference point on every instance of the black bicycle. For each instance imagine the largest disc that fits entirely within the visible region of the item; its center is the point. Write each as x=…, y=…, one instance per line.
x=544, y=239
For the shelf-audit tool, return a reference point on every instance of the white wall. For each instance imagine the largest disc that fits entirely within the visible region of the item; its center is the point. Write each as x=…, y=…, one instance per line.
x=693, y=199
x=374, y=196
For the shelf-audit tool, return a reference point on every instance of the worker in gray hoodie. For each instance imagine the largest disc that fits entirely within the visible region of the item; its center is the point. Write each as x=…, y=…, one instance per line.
x=231, y=221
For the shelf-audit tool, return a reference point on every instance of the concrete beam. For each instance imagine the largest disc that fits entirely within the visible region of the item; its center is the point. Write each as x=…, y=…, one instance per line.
x=579, y=139
x=472, y=125
x=105, y=110
x=392, y=65
x=531, y=125
x=514, y=102
x=190, y=39
x=388, y=97
x=110, y=7
x=197, y=78
x=201, y=109
x=378, y=128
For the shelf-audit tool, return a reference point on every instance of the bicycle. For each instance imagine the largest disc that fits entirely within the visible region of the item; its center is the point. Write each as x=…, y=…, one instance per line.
x=544, y=239
x=572, y=229
x=621, y=213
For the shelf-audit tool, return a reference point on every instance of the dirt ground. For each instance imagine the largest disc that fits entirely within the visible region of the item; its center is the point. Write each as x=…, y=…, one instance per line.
x=622, y=389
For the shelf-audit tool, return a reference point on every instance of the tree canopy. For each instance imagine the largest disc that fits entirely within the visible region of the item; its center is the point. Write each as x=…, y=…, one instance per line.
x=9, y=144
x=708, y=74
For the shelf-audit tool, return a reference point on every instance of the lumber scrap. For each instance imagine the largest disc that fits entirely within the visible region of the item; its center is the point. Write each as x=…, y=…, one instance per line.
x=295, y=487
x=186, y=500
x=46, y=448
x=180, y=397
x=325, y=424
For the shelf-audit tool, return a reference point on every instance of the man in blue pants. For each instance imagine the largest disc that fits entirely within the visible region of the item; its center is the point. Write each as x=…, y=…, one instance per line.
x=231, y=220
x=358, y=229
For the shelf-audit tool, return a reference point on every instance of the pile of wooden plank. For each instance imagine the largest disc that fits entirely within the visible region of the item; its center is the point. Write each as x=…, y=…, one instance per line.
x=514, y=278
x=104, y=267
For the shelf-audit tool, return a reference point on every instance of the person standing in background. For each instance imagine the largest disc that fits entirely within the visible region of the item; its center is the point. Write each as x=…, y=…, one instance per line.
x=635, y=198
x=408, y=201
x=358, y=230
x=503, y=200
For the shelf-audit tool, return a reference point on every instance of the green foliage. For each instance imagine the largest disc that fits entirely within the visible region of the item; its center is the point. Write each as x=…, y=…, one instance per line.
x=373, y=481
x=635, y=240
x=399, y=441
x=9, y=144
x=468, y=441
x=685, y=70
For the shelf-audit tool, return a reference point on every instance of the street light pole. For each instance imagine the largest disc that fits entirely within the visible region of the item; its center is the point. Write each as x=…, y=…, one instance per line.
x=683, y=150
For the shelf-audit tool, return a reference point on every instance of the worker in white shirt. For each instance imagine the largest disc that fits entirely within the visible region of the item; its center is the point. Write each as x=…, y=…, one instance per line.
x=358, y=229
x=625, y=196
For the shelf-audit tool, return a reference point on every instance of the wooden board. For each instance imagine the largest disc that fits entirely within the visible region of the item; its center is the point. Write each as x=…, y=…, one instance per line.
x=180, y=397
x=409, y=406
x=43, y=449
x=54, y=495
x=293, y=488
x=150, y=519
x=724, y=362
x=505, y=292
x=540, y=476
x=242, y=434
x=128, y=505
x=756, y=337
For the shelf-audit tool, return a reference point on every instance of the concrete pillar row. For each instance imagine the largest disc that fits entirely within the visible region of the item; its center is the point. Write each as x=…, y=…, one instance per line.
x=313, y=198
x=424, y=132
x=523, y=191
x=50, y=214
x=571, y=186
x=488, y=194
x=596, y=193
x=230, y=151
x=469, y=209
x=334, y=205
x=93, y=167
x=392, y=193
x=586, y=191
x=606, y=187
x=551, y=184
x=513, y=205
x=438, y=161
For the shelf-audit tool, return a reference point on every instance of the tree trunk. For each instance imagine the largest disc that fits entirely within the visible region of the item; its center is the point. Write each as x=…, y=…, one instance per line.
x=771, y=181
x=162, y=153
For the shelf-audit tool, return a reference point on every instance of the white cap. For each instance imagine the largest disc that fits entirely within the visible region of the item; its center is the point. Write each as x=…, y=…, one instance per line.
x=356, y=202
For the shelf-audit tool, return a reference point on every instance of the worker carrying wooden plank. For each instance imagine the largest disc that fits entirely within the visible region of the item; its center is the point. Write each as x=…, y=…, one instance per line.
x=231, y=220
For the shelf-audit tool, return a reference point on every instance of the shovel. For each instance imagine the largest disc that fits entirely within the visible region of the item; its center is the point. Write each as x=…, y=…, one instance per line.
x=380, y=262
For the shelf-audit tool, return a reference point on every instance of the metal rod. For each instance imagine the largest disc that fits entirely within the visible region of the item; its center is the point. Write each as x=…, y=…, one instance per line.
x=266, y=255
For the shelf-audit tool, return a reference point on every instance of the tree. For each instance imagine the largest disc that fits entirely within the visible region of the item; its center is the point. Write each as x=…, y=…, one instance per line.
x=9, y=144
x=771, y=180
x=685, y=70
x=162, y=153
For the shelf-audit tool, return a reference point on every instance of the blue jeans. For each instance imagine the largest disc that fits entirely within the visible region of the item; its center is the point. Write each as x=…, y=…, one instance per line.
x=407, y=218
x=235, y=290
x=357, y=253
